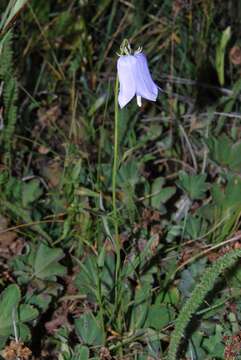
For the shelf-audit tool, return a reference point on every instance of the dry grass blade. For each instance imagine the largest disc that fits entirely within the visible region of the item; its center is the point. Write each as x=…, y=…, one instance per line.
x=11, y=14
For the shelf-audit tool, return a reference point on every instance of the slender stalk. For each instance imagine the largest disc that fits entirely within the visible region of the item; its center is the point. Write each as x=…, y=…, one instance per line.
x=115, y=162
x=100, y=302
x=115, y=215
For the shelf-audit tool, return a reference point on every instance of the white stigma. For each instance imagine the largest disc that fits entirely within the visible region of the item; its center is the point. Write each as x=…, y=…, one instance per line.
x=138, y=100
x=138, y=51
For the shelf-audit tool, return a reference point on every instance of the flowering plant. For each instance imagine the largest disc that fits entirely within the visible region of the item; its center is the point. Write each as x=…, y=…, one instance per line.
x=134, y=77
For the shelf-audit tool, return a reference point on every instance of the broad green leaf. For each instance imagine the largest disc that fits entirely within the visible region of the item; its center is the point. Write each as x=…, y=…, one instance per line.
x=194, y=185
x=195, y=346
x=195, y=227
x=108, y=273
x=139, y=260
x=88, y=328
x=46, y=264
x=173, y=232
x=41, y=301
x=23, y=332
x=9, y=300
x=160, y=195
x=224, y=152
x=218, y=195
x=141, y=305
x=220, y=149
x=191, y=275
x=159, y=316
x=213, y=344
x=153, y=344
x=27, y=313
x=31, y=191
x=229, y=196
x=81, y=352
x=128, y=174
x=87, y=278
x=11, y=311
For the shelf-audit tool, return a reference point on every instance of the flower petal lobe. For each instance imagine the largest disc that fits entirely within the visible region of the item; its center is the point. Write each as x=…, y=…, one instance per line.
x=145, y=86
x=126, y=65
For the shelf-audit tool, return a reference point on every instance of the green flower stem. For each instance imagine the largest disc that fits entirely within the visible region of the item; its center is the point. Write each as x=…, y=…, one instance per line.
x=115, y=162
x=115, y=215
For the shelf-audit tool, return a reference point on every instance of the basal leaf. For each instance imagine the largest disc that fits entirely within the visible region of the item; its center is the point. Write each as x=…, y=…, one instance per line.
x=9, y=300
x=31, y=191
x=194, y=185
x=88, y=328
x=46, y=264
x=159, y=316
x=27, y=313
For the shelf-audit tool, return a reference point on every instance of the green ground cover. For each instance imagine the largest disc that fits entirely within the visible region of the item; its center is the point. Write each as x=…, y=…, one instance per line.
x=120, y=228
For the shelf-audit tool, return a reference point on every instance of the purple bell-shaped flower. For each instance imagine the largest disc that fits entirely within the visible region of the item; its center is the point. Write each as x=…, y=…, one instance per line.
x=135, y=79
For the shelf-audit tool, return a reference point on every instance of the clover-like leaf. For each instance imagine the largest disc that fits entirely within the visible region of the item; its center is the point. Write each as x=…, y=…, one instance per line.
x=9, y=300
x=31, y=191
x=194, y=185
x=159, y=316
x=46, y=265
x=160, y=194
x=88, y=328
x=27, y=313
x=11, y=312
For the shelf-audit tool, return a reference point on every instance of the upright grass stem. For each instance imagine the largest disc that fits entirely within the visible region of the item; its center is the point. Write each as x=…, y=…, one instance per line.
x=115, y=214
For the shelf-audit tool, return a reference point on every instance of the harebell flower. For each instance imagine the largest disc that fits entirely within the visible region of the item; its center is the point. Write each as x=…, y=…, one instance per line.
x=134, y=77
